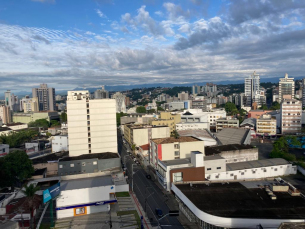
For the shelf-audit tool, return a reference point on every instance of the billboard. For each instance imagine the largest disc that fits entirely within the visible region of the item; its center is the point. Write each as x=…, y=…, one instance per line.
x=51, y=192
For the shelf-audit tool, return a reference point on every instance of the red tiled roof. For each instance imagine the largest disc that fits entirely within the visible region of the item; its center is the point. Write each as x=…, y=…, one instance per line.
x=145, y=147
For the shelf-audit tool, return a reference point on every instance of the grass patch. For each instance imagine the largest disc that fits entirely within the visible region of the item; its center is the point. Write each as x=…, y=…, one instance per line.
x=134, y=212
x=45, y=226
x=122, y=194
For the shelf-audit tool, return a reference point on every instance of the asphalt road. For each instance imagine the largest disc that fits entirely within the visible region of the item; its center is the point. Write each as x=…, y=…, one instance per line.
x=146, y=188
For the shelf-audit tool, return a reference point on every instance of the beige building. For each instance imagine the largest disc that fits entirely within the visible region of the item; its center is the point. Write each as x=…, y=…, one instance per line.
x=226, y=122
x=266, y=125
x=92, y=124
x=33, y=116
x=286, y=88
x=169, y=119
x=30, y=105
x=46, y=97
x=5, y=114
x=171, y=148
x=291, y=116
x=142, y=134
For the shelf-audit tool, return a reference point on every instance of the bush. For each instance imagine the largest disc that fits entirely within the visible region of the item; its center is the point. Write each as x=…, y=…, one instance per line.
x=289, y=157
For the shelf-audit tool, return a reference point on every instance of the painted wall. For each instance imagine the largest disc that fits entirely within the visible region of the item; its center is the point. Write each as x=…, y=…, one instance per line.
x=52, y=167
x=212, y=166
x=60, y=143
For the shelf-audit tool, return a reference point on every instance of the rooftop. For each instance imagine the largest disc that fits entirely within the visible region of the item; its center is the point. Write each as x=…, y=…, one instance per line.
x=213, y=157
x=143, y=126
x=172, y=140
x=50, y=157
x=145, y=147
x=39, y=171
x=4, y=128
x=211, y=150
x=256, y=164
x=232, y=135
x=176, y=162
x=249, y=121
x=106, y=155
x=235, y=200
x=91, y=182
x=196, y=133
x=15, y=124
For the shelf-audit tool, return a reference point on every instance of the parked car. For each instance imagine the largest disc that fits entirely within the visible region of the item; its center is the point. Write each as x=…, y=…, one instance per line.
x=159, y=212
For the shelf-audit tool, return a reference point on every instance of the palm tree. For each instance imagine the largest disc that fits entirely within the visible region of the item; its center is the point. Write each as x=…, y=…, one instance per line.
x=29, y=192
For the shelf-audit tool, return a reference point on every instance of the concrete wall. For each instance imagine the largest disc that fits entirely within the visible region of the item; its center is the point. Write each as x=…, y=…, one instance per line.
x=160, y=132
x=193, y=126
x=256, y=173
x=234, y=156
x=140, y=136
x=19, y=127
x=52, y=167
x=212, y=166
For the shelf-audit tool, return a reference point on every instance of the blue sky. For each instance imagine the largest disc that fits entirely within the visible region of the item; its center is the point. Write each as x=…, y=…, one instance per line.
x=69, y=43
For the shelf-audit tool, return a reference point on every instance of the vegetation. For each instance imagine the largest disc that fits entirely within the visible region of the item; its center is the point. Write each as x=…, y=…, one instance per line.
x=263, y=107
x=63, y=117
x=40, y=123
x=275, y=106
x=151, y=111
x=141, y=109
x=54, y=123
x=118, y=118
x=29, y=192
x=160, y=109
x=281, y=148
x=122, y=194
x=175, y=134
x=15, y=168
x=16, y=139
x=175, y=90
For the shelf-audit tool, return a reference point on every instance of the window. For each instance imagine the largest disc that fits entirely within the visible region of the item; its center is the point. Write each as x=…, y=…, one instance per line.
x=253, y=172
x=60, y=166
x=178, y=177
x=209, y=169
x=231, y=174
x=89, y=150
x=83, y=163
x=177, y=153
x=242, y=173
x=218, y=167
x=176, y=146
x=71, y=165
x=275, y=169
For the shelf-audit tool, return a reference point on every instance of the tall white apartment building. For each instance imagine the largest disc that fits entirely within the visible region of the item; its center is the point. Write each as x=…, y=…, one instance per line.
x=92, y=124
x=291, y=116
x=120, y=102
x=252, y=84
x=46, y=97
x=286, y=88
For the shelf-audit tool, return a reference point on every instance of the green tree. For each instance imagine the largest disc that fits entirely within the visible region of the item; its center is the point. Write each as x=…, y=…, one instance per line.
x=40, y=123
x=63, y=117
x=175, y=134
x=29, y=191
x=141, y=109
x=160, y=109
x=264, y=107
x=275, y=106
x=133, y=147
x=151, y=111
x=229, y=107
x=118, y=118
x=54, y=123
x=16, y=139
x=16, y=167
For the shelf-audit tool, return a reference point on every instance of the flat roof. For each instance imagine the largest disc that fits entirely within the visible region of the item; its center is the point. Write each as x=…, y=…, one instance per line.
x=213, y=157
x=106, y=155
x=211, y=150
x=232, y=135
x=256, y=164
x=173, y=139
x=176, y=162
x=15, y=124
x=196, y=133
x=49, y=157
x=91, y=182
x=235, y=200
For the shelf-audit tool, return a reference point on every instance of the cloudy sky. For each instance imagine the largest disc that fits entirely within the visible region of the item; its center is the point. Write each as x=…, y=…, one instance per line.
x=70, y=43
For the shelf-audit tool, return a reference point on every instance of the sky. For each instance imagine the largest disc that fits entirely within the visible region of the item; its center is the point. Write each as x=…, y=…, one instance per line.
x=89, y=43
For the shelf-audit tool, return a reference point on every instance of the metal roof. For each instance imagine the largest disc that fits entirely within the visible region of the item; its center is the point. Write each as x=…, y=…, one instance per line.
x=232, y=135
x=256, y=164
x=86, y=183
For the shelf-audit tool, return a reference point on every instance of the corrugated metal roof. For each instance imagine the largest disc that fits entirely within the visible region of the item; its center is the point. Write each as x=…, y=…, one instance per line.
x=256, y=164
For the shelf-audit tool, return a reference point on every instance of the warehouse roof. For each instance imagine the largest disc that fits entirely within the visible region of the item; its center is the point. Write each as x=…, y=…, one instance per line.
x=232, y=135
x=235, y=200
x=256, y=164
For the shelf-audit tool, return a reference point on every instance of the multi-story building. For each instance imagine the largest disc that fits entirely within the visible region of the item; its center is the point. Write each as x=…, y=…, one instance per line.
x=209, y=87
x=286, y=88
x=33, y=116
x=5, y=114
x=101, y=93
x=226, y=122
x=303, y=92
x=92, y=124
x=142, y=134
x=199, y=104
x=30, y=105
x=195, y=89
x=169, y=119
x=173, y=148
x=58, y=97
x=9, y=102
x=127, y=101
x=60, y=143
x=183, y=96
x=46, y=97
x=291, y=116
x=120, y=102
x=266, y=125
x=252, y=84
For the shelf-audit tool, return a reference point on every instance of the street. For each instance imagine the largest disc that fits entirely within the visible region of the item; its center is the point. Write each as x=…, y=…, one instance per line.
x=146, y=188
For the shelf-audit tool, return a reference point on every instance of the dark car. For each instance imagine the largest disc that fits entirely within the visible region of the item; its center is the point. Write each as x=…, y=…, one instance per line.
x=148, y=176
x=159, y=212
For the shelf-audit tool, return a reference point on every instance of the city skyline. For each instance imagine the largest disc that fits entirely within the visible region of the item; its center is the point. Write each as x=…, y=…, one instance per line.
x=119, y=43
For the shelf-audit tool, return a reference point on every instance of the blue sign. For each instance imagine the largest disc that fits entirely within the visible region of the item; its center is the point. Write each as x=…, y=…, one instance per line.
x=51, y=192
x=90, y=204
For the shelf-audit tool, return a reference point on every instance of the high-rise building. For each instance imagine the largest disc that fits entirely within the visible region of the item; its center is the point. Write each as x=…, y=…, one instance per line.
x=209, y=87
x=286, y=88
x=30, y=105
x=291, y=116
x=11, y=101
x=101, y=93
x=183, y=96
x=252, y=84
x=195, y=90
x=46, y=97
x=303, y=92
x=5, y=114
x=120, y=102
x=92, y=124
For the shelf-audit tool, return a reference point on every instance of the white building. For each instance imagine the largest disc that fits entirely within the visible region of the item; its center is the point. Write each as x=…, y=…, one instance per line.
x=291, y=116
x=183, y=96
x=120, y=102
x=286, y=88
x=266, y=125
x=92, y=124
x=58, y=98
x=46, y=97
x=88, y=195
x=4, y=149
x=60, y=143
x=252, y=84
x=196, y=115
x=192, y=126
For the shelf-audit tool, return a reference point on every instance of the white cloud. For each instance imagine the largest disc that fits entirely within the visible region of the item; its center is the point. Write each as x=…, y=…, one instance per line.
x=100, y=13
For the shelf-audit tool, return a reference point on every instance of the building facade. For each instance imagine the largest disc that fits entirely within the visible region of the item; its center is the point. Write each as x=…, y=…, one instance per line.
x=226, y=122
x=101, y=93
x=291, y=116
x=5, y=114
x=252, y=84
x=120, y=102
x=30, y=105
x=92, y=124
x=183, y=96
x=266, y=125
x=60, y=143
x=46, y=97
x=169, y=119
x=286, y=88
